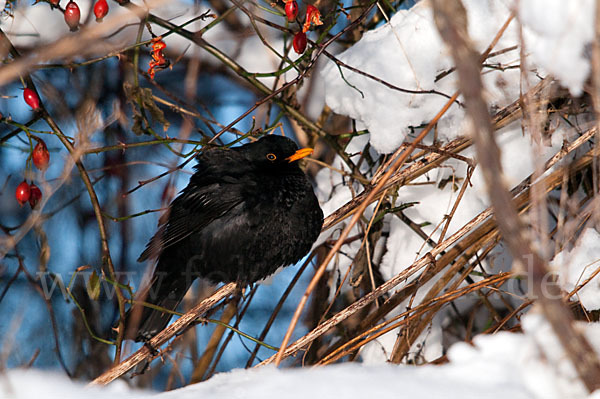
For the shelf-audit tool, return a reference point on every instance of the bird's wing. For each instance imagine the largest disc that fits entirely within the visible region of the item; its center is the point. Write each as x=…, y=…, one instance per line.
x=193, y=209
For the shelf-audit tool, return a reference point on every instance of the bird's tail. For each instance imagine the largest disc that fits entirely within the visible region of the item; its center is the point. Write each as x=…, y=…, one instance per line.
x=166, y=291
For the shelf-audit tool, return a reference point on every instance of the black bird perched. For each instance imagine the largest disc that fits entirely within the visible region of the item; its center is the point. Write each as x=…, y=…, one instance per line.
x=246, y=212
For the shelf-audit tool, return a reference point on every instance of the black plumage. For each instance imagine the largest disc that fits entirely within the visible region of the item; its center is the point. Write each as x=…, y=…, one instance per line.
x=247, y=211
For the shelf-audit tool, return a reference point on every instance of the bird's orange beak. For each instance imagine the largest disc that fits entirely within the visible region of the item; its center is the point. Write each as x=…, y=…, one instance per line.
x=304, y=152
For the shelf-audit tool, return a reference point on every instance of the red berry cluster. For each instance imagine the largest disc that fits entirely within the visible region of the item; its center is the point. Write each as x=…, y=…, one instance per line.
x=30, y=192
x=40, y=157
x=313, y=16
x=72, y=13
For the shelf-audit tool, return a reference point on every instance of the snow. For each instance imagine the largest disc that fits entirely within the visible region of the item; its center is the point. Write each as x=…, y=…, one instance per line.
x=347, y=381
x=575, y=266
x=534, y=358
x=529, y=365
x=558, y=37
x=32, y=383
x=409, y=53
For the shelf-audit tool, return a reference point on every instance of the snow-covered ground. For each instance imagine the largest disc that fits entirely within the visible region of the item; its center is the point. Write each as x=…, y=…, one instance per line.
x=500, y=366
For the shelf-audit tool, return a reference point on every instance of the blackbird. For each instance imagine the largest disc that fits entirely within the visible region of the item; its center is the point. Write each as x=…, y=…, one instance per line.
x=246, y=211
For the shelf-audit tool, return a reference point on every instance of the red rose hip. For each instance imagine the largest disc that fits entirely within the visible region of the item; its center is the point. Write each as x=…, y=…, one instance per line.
x=40, y=155
x=291, y=10
x=100, y=10
x=23, y=193
x=72, y=15
x=35, y=195
x=31, y=98
x=299, y=42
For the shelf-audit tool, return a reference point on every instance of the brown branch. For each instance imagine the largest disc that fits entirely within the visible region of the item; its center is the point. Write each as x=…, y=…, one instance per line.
x=107, y=259
x=432, y=159
x=451, y=20
x=428, y=306
x=477, y=226
x=382, y=289
x=371, y=196
x=174, y=328
x=412, y=331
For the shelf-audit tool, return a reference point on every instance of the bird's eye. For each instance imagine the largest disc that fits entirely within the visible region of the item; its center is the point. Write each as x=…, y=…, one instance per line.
x=271, y=157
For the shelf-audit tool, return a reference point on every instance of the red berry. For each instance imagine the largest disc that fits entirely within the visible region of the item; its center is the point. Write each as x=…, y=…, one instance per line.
x=31, y=98
x=299, y=42
x=23, y=193
x=72, y=15
x=291, y=10
x=40, y=155
x=36, y=195
x=54, y=3
x=100, y=10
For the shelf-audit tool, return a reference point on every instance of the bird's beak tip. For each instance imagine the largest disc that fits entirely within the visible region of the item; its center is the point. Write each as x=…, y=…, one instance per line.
x=301, y=153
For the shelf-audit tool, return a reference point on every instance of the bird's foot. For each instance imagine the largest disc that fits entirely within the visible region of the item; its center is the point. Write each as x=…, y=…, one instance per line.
x=153, y=350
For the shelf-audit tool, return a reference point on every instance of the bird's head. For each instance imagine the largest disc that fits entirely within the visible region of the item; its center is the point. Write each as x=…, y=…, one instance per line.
x=274, y=152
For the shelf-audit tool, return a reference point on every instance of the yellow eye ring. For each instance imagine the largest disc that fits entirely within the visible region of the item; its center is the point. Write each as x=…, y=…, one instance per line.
x=271, y=156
